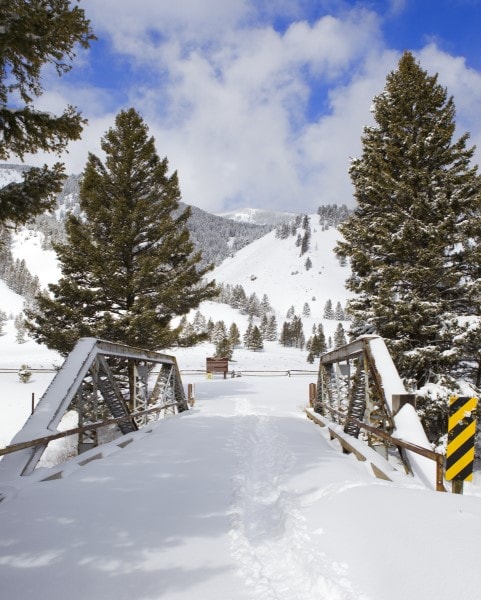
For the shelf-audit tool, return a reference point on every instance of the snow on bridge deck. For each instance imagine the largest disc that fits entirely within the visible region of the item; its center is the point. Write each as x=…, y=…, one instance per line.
x=241, y=498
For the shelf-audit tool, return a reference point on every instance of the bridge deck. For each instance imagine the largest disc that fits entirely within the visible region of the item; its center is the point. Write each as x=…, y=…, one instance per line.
x=242, y=498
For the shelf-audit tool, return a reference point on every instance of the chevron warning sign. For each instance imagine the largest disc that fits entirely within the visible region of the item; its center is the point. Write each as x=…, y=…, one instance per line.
x=461, y=430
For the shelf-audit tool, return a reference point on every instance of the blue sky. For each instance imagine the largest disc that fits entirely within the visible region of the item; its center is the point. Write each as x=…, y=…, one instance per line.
x=262, y=103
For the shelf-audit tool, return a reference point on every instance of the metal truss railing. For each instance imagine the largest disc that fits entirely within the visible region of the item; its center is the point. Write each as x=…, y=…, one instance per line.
x=359, y=387
x=109, y=386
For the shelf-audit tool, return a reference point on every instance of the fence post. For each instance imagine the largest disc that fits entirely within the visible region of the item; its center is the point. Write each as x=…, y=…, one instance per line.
x=33, y=402
x=312, y=394
x=190, y=394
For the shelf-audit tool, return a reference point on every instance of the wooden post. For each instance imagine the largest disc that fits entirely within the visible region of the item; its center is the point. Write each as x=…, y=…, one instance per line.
x=312, y=394
x=190, y=394
x=399, y=400
x=33, y=402
x=457, y=486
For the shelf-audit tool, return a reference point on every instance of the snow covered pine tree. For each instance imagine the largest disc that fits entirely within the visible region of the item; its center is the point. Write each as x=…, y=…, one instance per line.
x=128, y=265
x=35, y=34
x=414, y=236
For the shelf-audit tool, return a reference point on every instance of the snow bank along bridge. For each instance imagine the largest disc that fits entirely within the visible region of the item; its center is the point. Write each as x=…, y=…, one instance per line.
x=359, y=396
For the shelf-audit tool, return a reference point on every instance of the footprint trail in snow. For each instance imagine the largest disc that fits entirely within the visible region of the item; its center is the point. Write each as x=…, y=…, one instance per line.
x=270, y=540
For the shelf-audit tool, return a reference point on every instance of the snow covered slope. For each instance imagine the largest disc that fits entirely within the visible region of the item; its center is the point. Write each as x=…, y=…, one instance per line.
x=11, y=174
x=270, y=266
x=27, y=245
x=274, y=267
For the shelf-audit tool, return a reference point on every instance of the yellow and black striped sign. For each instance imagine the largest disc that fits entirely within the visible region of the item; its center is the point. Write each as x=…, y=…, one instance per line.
x=461, y=430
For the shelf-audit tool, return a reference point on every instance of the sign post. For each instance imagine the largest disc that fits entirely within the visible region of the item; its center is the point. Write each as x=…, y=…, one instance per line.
x=461, y=431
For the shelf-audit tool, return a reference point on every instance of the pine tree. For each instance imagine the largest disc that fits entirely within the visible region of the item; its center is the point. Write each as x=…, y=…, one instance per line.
x=328, y=310
x=224, y=348
x=306, y=238
x=272, y=329
x=199, y=322
x=3, y=320
x=209, y=328
x=219, y=332
x=306, y=310
x=234, y=335
x=339, y=336
x=187, y=334
x=414, y=238
x=239, y=298
x=298, y=337
x=285, y=337
x=292, y=334
x=128, y=265
x=255, y=342
x=339, y=312
x=265, y=305
x=35, y=34
x=264, y=326
x=317, y=343
x=248, y=334
x=253, y=307
x=322, y=338
x=19, y=323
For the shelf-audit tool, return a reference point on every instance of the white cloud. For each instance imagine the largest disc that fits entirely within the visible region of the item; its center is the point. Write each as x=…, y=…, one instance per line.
x=137, y=26
x=234, y=115
x=396, y=7
x=463, y=83
x=230, y=99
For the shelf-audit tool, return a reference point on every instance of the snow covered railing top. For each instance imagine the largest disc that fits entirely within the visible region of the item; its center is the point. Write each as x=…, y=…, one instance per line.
x=383, y=368
x=88, y=362
x=374, y=394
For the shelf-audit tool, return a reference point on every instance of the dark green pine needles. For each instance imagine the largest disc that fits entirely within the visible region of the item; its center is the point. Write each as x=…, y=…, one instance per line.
x=413, y=240
x=128, y=266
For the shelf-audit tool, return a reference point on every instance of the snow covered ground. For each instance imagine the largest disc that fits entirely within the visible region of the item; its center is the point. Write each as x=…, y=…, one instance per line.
x=240, y=497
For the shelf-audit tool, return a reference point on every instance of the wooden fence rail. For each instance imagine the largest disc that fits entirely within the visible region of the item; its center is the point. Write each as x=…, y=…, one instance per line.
x=91, y=426
x=438, y=458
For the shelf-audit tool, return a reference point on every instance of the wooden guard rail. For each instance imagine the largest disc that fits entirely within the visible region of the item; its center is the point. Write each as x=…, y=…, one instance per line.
x=438, y=458
x=73, y=431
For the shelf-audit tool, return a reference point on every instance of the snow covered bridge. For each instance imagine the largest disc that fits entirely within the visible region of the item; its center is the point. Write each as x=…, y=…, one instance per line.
x=240, y=497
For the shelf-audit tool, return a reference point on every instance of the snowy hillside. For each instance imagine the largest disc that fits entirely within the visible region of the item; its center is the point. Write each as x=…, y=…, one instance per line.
x=27, y=245
x=274, y=267
x=258, y=216
x=10, y=174
x=269, y=266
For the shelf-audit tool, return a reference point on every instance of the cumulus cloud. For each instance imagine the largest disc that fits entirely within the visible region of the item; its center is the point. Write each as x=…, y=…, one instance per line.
x=233, y=115
x=463, y=84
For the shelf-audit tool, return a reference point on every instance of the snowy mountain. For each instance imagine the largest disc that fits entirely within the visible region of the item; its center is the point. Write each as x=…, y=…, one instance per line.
x=258, y=216
x=215, y=236
x=268, y=266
